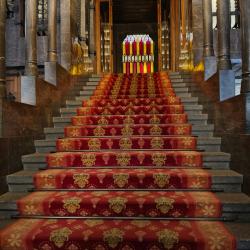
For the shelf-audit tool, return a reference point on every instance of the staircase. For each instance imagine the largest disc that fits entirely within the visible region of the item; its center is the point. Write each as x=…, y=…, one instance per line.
x=150, y=190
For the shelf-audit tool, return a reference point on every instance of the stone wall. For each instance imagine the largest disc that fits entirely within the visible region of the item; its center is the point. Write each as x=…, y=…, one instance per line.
x=229, y=118
x=25, y=123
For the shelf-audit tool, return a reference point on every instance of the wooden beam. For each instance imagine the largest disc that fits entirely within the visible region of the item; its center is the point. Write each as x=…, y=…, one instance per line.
x=98, y=36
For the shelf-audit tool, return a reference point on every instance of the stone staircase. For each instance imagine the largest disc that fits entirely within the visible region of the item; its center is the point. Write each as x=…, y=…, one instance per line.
x=225, y=182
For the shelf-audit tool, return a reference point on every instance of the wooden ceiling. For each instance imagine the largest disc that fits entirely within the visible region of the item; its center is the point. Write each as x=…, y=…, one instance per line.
x=135, y=11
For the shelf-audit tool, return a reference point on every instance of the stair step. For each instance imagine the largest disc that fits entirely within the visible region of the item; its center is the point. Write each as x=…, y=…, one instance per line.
x=181, y=80
x=185, y=100
x=183, y=94
x=70, y=103
x=226, y=180
x=178, y=90
x=240, y=230
x=173, y=77
x=118, y=233
x=89, y=88
x=180, y=73
x=192, y=119
x=83, y=98
x=126, y=204
x=197, y=130
x=203, y=143
x=234, y=205
x=69, y=112
x=86, y=93
x=213, y=160
x=242, y=233
x=89, y=79
x=96, y=83
x=95, y=79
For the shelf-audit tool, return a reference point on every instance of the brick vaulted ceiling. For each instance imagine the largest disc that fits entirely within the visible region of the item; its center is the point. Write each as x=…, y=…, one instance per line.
x=135, y=11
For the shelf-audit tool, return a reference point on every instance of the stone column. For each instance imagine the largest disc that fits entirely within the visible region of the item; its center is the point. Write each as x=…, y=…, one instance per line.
x=245, y=28
x=91, y=29
x=65, y=33
x=224, y=26
x=83, y=21
x=31, y=43
x=52, y=30
x=2, y=47
x=208, y=28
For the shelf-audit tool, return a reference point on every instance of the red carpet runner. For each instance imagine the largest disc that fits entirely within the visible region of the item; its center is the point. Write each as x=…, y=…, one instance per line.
x=128, y=158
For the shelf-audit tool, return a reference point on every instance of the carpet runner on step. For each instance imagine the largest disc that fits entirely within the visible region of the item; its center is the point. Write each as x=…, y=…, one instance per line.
x=126, y=176
x=128, y=130
x=172, y=100
x=122, y=204
x=131, y=110
x=147, y=142
x=116, y=234
x=123, y=179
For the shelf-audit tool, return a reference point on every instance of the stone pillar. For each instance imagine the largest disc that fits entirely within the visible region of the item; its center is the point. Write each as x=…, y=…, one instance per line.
x=52, y=30
x=208, y=28
x=245, y=28
x=224, y=26
x=2, y=47
x=31, y=43
x=51, y=65
x=83, y=21
x=210, y=61
x=197, y=28
x=65, y=10
x=91, y=29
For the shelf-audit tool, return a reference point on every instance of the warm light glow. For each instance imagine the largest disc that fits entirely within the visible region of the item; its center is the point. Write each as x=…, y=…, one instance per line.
x=138, y=54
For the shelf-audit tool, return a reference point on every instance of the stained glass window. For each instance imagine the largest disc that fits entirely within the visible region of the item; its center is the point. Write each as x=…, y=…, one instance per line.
x=42, y=17
x=138, y=54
